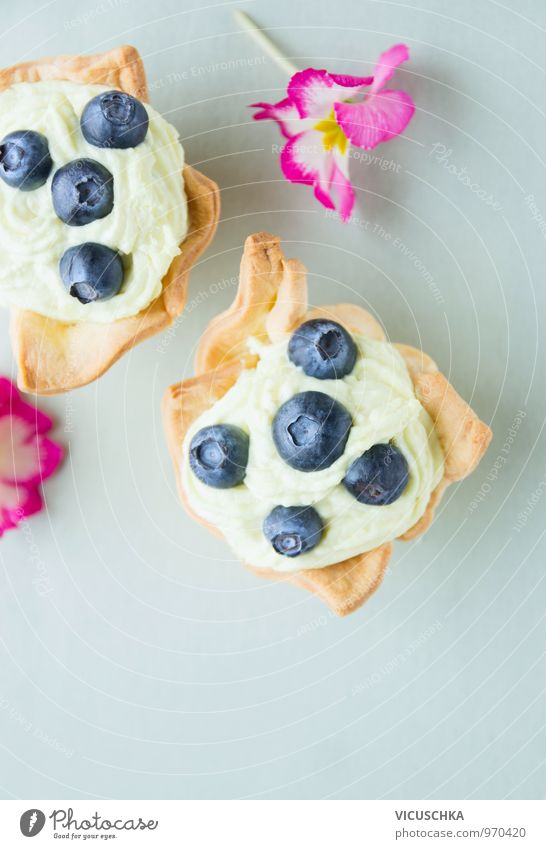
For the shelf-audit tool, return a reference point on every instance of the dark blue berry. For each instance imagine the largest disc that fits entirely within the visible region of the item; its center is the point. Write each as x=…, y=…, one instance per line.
x=82, y=191
x=114, y=119
x=379, y=476
x=310, y=431
x=323, y=349
x=91, y=272
x=25, y=162
x=293, y=530
x=219, y=454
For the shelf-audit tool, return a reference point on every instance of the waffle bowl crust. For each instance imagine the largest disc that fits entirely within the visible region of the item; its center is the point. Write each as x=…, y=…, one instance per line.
x=54, y=356
x=271, y=302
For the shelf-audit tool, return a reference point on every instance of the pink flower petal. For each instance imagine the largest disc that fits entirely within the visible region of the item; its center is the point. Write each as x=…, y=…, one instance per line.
x=380, y=118
x=348, y=81
x=323, y=196
x=27, y=456
x=318, y=157
x=19, y=454
x=11, y=402
x=315, y=92
x=284, y=113
x=16, y=504
x=345, y=193
x=387, y=64
x=51, y=455
x=304, y=160
x=7, y=391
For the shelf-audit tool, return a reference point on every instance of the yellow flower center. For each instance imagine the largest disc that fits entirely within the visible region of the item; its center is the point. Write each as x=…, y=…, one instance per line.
x=333, y=134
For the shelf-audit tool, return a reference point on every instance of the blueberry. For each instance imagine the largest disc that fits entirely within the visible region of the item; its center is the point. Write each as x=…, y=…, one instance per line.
x=219, y=454
x=82, y=191
x=114, y=119
x=293, y=530
x=379, y=476
x=310, y=431
x=25, y=162
x=91, y=272
x=323, y=349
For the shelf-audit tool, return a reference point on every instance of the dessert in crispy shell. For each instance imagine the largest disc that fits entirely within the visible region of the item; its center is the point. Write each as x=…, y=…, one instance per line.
x=55, y=356
x=271, y=302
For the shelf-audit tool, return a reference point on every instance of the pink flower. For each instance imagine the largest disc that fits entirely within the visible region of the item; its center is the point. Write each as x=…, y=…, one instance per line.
x=325, y=112
x=27, y=456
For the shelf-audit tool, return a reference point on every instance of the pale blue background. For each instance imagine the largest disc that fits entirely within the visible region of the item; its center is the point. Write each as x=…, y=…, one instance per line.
x=138, y=659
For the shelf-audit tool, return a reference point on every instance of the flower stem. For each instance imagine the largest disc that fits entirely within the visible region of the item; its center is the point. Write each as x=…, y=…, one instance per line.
x=259, y=36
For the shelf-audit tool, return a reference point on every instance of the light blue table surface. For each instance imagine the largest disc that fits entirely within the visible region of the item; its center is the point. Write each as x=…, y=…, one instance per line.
x=138, y=658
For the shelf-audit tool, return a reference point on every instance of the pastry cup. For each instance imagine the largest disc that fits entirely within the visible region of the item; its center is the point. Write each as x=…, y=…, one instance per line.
x=271, y=302
x=55, y=356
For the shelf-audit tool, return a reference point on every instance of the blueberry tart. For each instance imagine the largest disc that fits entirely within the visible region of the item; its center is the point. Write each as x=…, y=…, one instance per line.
x=102, y=219
x=339, y=442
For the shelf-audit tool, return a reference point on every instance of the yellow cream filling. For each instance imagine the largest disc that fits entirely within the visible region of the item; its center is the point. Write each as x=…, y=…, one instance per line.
x=148, y=222
x=380, y=397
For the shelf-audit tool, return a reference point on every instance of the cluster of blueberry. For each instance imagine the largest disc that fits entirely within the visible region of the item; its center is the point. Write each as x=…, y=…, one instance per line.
x=310, y=432
x=83, y=190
